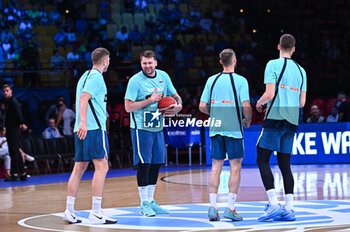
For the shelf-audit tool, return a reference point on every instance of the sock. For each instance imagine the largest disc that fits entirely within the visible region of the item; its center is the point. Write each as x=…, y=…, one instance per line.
x=151, y=189
x=231, y=200
x=143, y=193
x=212, y=197
x=272, y=195
x=96, y=204
x=289, y=201
x=70, y=204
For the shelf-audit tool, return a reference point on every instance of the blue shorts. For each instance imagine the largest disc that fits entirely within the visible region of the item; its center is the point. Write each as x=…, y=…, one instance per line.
x=94, y=146
x=220, y=145
x=276, y=139
x=148, y=147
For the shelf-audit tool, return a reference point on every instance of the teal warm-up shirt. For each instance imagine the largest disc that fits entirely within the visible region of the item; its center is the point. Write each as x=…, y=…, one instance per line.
x=223, y=105
x=141, y=87
x=96, y=87
x=293, y=82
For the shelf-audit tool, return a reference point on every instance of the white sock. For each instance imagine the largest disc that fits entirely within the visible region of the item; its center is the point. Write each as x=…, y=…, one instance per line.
x=272, y=195
x=289, y=201
x=143, y=193
x=96, y=204
x=212, y=198
x=231, y=200
x=70, y=204
x=151, y=189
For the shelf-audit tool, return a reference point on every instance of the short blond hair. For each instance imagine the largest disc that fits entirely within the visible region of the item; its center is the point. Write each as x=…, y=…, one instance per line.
x=227, y=56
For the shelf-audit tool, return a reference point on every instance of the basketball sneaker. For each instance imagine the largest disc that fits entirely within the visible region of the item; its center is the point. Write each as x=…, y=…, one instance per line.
x=287, y=215
x=271, y=211
x=232, y=214
x=70, y=217
x=101, y=218
x=146, y=209
x=157, y=209
x=213, y=214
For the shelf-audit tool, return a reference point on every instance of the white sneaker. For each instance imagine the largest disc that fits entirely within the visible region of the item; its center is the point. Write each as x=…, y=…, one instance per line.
x=30, y=158
x=101, y=218
x=70, y=217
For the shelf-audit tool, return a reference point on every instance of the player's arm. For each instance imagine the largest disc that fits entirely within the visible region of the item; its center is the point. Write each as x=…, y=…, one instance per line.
x=247, y=113
x=266, y=97
x=83, y=105
x=204, y=107
x=175, y=108
x=302, y=99
x=131, y=106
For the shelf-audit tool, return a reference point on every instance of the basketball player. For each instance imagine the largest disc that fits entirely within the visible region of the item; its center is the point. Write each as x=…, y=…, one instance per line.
x=285, y=92
x=144, y=91
x=223, y=97
x=91, y=143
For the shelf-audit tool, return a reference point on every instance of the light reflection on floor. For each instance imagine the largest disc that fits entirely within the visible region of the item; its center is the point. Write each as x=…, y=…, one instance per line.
x=311, y=182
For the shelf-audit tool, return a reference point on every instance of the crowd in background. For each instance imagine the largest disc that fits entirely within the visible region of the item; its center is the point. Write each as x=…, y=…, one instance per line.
x=251, y=28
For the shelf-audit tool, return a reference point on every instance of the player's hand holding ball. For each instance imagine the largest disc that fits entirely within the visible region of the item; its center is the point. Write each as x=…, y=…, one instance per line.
x=168, y=106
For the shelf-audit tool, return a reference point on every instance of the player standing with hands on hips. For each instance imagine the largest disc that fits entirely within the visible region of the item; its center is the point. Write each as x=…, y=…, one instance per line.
x=91, y=142
x=285, y=93
x=144, y=91
x=225, y=97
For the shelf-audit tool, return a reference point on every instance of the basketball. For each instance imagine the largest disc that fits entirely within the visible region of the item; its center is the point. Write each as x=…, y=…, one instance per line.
x=165, y=102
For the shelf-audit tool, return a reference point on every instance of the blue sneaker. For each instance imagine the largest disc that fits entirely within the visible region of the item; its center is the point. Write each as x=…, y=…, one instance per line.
x=287, y=215
x=146, y=210
x=271, y=211
x=157, y=209
x=213, y=214
x=232, y=214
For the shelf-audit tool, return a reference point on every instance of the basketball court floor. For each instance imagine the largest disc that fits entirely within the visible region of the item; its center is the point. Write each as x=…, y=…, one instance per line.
x=322, y=194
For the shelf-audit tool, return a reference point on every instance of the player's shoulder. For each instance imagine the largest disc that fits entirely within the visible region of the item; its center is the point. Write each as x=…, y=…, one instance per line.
x=136, y=76
x=162, y=73
x=274, y=62
x=301, y=67
x=240, y=77
x=213, y=77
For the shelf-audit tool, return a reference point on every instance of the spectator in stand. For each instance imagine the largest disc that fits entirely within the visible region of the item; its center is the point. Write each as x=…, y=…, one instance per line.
x=136, y=36
x=341, y=97
x=10, y=14
x=218, y=13
x=344, y=111
x=43, y=19
x=53, y=109
x=57, y=61
x=55, y=17
x=73, y=55
x=22, y=13
x=140, y=5
x=51, y=132
x=30, y=61
x=4, y=151
x=334, y=116
x=315, y=115
x=122, y=40
x=71, y=36
x=6, y=35
x=67, y=116
x=34, y=15
x=60, y=38
x=81, y=25
x=2, y=58
x=26, y=36
x=24, y=25
x=206, y=23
